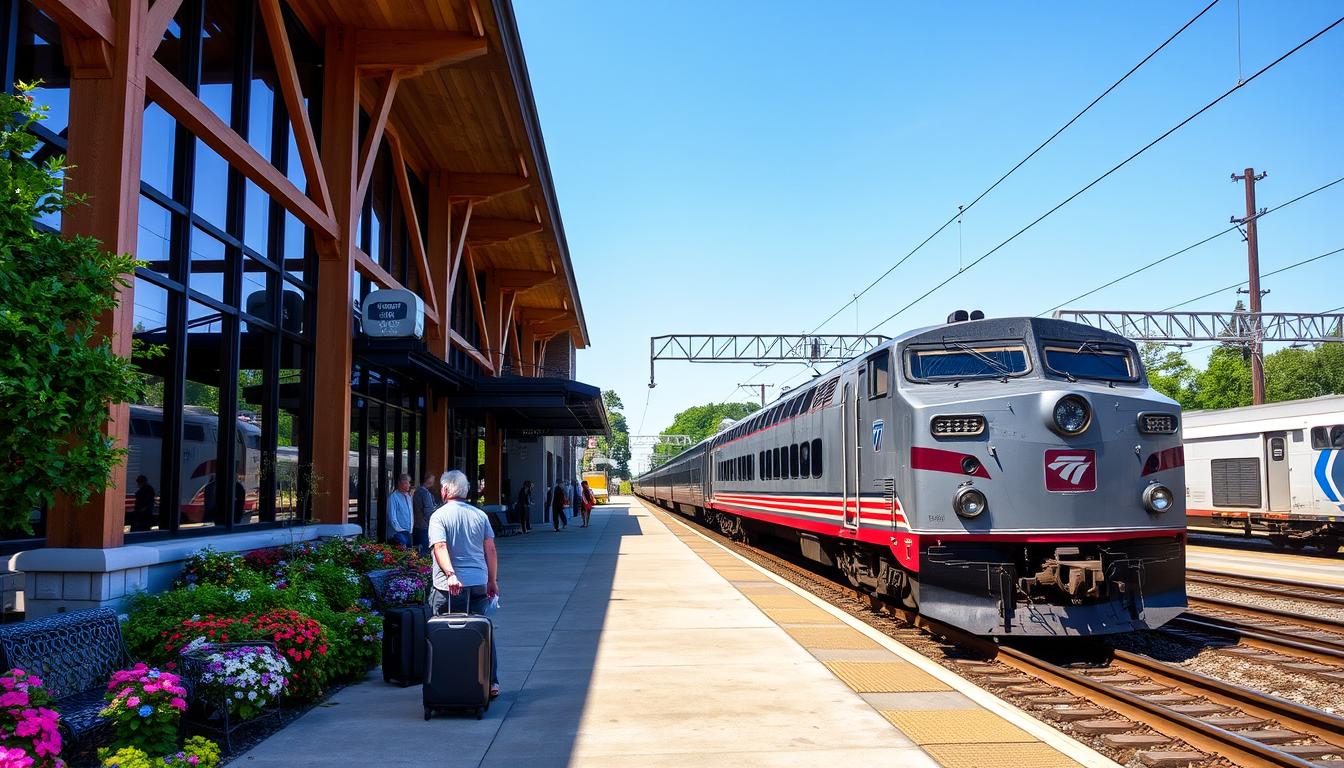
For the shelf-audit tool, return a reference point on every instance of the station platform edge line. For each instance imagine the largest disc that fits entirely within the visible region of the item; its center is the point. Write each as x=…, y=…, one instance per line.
x=994, y=733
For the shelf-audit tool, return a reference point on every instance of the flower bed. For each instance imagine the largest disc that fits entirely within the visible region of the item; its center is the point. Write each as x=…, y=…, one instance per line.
x=145, y=706
x=29, y=737
x=245, y=679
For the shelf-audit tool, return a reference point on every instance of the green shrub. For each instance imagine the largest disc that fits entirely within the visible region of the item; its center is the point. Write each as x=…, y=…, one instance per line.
x=204, y=751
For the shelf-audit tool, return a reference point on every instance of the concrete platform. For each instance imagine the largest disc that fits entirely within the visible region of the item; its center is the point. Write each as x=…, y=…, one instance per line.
x=639, y=643
x=1279, y=565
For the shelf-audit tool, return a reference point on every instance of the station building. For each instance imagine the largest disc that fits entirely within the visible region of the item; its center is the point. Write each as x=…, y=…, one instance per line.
x=302, y=178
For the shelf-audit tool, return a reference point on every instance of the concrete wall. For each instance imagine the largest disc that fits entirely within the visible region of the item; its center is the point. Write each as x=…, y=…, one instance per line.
x=527, y=458
x=57, y=580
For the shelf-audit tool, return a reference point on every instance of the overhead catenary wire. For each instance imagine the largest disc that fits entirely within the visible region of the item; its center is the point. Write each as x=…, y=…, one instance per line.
x=1112, y=170
x=962, y=210
x=1280, y=270
x=1190, y=247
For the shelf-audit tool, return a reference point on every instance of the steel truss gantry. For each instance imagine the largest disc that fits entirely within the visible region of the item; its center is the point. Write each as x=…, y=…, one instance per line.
x=1288, y=327
x=759, y=348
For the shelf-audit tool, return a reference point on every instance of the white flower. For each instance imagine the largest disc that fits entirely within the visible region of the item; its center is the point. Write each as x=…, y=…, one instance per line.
x=237, y=694
x=252, y=695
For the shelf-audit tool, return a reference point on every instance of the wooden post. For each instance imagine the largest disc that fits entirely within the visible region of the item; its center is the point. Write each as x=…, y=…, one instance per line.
x=439, y=247
x=332, y=364
x=106, y=133
x=494, y=456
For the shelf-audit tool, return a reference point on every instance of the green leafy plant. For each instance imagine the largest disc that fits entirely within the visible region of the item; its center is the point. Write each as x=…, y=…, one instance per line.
x=198, y=752
x=58, y=370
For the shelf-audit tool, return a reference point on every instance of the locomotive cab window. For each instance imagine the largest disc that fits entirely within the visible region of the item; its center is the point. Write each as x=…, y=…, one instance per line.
x=957, y=361
x=879, y=375
x=1327, y=438
x=1090, y=360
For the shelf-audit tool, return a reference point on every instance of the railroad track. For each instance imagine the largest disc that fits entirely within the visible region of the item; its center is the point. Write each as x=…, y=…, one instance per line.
x=1215, y=718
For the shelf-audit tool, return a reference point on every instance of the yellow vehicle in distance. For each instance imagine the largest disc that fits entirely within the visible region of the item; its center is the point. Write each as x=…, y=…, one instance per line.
x=597, y=481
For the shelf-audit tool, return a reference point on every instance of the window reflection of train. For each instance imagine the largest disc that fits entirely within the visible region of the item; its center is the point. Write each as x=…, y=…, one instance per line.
x=200, y=438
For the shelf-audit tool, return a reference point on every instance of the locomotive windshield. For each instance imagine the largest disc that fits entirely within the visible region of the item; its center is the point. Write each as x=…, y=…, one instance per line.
x=963, y=361
x=1090, y=360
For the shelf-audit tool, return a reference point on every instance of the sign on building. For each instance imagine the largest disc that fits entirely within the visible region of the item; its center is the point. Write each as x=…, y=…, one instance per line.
x=394, y=313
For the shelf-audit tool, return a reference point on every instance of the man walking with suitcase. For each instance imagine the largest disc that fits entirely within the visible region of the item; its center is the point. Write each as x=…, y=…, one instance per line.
x=466, y=564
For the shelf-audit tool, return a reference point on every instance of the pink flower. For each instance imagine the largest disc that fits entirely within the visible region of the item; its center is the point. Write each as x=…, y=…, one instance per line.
x=150, y=689
x=13, y=757
x=178, y=703
x=14, y=699
x=133, y=701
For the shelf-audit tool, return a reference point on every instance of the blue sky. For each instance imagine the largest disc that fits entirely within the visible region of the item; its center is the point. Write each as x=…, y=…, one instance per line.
x=748, y=166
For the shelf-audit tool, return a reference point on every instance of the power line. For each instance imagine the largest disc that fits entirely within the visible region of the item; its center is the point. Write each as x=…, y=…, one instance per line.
x=1280, y=270
x=961, y=210
x=1113, y=169
x=1191, y=247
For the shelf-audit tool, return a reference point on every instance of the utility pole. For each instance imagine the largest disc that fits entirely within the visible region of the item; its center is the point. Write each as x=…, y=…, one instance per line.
x=761, y=387
x=1253, y=265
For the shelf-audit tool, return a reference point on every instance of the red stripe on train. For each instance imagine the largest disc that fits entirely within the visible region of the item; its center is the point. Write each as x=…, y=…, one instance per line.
x=939, y=460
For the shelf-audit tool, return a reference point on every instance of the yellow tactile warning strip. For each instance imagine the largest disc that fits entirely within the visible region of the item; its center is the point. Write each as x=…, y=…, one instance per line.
x=808, y=615
x=823, y=637
x=1034, y=755
x=885, y=676
x=955, y=726
x=961, y=738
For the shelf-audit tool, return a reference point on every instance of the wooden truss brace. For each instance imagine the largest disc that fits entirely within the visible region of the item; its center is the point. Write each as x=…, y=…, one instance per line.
x=387, y=93
x=413, y=223
x=288, y=75
x=371, y=269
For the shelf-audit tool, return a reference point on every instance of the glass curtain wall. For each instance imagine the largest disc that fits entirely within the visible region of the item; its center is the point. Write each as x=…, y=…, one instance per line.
x=223, y=316
x=387, y=425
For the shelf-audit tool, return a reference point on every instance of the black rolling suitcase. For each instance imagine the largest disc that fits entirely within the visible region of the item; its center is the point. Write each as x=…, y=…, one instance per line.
x=458, y=664
x=404, y=644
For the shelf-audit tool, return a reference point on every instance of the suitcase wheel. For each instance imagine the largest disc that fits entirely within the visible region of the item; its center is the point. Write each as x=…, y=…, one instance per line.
x=428, y=713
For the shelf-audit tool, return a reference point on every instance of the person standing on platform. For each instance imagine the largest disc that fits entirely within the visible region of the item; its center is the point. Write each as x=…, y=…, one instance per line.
x=558, y=507
x=424, y=505
x=142, y=518
x=466, y=564
x=589, y=501
x=400, y=518
x=522, y=508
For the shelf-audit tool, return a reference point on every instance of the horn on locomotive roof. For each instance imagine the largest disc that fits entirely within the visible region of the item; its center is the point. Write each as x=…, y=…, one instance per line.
x=961, y=316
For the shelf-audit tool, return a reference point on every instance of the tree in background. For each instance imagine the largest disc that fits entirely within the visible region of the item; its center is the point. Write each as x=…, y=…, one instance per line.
x=58, y=372
x=1290, y=374
x=617, y=447
x=700, y=421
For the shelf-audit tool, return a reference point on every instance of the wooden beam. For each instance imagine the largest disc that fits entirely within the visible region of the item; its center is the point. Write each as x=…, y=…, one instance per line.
x=413, y=227
x=510, y=298
x=478, y=304
x=486, y=231
x=494, y=321
x=288, y=75
x=413, y=51
x=439, y=245
x=483, y=186
x=333, y=357
x=374, y=138
x=106, y=139
x=471, y=351
x=510, y=332
x=177, y=100
x=522, y=279
x=156, y=24
x=460, y=251
x=540, y=315
x=559, y=326
x=81, y=18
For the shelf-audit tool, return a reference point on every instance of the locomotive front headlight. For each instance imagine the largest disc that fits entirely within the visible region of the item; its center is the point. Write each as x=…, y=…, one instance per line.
x=1072, y=415
x=969, y=502
x=1157, y=498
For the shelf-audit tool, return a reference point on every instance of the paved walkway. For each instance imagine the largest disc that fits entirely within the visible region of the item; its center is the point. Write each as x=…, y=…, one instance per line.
x=639, y=643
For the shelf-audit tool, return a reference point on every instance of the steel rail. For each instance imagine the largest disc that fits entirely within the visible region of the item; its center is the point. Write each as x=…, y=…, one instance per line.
x=1315, y=622
x=1328, y=594
x=1260, y=637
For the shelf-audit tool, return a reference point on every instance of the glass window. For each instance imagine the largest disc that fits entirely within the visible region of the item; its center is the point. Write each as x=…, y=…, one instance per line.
x=207, y=494
x=805, y=459
x=208, y=264
x=793, y=461
x=210, y=180
x=1091, y=361
x=146, y=461
x=816, y=457
x=156, y=167
x=1326, y=438
x=966, y=362
x=154, y=237
x=258, y=290
x=879, y=374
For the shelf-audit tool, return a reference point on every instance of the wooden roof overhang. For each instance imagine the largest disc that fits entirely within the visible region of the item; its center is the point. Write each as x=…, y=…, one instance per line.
x=470, y=115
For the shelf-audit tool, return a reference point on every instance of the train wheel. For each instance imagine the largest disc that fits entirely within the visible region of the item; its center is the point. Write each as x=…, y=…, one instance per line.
x=909, y=595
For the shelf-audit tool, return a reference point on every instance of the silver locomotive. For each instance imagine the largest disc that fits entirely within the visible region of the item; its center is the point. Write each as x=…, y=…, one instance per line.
x=1006, y=476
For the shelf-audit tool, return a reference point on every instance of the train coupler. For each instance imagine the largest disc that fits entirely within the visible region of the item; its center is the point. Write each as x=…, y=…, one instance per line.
x=1080, y=578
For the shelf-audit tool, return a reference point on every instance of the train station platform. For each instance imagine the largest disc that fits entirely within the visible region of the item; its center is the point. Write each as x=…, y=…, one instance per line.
x=1240, y=557
x=639, y=642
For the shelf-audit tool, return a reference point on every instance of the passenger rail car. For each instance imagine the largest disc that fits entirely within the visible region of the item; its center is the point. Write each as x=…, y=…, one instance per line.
x=1007, y=476
x=1272, y=470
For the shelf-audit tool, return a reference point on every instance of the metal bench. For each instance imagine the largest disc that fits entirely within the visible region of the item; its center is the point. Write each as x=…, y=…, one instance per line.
x=75, y=654
x=499, y=519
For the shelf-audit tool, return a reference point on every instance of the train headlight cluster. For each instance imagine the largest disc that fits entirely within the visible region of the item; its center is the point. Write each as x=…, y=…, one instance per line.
x=1072, y=415
x=1157, y=498
x=969, y=502
x=957, y=426
x=1157, y=423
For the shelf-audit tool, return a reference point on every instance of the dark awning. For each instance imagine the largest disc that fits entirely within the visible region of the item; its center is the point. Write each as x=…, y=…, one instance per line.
x=539, y=406
x=543, y=406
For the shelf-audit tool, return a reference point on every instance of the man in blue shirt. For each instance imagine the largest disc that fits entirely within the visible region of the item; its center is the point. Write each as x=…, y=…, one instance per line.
x=399, y=516
x=466, y=565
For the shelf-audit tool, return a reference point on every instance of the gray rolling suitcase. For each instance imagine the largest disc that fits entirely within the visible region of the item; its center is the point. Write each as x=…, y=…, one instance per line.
x=457, y=665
